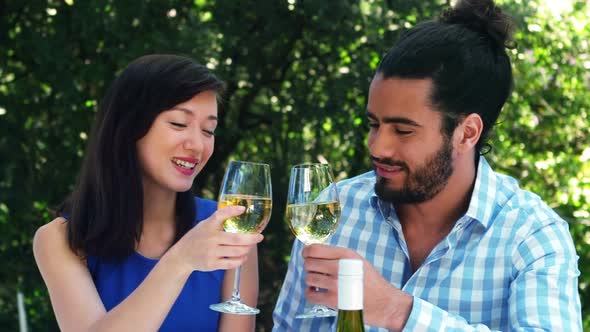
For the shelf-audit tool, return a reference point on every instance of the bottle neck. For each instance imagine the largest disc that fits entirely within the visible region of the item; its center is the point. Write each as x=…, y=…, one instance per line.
x=350, y=321
x=350, y=293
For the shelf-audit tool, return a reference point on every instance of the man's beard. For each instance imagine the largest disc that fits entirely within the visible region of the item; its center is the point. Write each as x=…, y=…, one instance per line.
x=421, y=184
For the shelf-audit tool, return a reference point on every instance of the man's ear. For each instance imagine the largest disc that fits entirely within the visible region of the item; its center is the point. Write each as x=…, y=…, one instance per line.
x=468, y=133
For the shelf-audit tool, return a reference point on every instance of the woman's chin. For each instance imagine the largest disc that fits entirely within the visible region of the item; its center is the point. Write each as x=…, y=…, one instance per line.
x=180, y=188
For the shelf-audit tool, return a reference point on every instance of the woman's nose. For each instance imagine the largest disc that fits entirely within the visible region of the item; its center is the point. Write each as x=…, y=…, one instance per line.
x=193, y=142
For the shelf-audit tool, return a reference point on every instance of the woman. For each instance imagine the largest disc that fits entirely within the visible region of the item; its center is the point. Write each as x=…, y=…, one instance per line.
x=123, y=254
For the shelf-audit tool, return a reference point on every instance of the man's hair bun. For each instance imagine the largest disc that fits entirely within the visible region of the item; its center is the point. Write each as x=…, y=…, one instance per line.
x=482, y=16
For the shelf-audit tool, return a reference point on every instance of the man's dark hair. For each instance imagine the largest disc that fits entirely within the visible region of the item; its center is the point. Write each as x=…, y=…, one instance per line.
x=105, y=211
x=464, y=53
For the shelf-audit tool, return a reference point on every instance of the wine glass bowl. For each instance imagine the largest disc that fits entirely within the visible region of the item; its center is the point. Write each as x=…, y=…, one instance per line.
x=313, y=212
x=254, y=218
x=246, y=184
x=313, y=222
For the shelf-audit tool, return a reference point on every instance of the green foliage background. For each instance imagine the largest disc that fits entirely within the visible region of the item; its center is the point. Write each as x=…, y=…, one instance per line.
x=298, y=73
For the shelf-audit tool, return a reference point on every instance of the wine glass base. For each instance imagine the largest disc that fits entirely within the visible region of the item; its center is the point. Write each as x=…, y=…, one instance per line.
x=317, y=312
x=234, y=307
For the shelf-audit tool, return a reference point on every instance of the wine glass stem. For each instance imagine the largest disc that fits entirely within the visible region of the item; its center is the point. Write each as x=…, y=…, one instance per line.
x=236, y=292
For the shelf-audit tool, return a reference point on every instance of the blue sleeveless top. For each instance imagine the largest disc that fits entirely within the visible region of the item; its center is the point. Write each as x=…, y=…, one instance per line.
x=114, y=281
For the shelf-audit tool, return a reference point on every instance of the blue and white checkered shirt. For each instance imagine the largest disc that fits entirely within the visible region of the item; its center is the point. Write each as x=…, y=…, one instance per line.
x=508, y=264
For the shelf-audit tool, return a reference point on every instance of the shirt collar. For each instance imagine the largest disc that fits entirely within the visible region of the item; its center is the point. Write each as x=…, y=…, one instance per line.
x=481, y=202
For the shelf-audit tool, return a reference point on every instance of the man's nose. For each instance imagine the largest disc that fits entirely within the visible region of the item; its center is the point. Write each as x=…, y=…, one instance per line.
x=382, y=145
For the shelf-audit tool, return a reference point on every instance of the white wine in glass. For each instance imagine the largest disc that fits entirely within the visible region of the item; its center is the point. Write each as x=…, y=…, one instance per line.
x=253, y=220
x=313, y=222
x=313, y=212
x=246, y=184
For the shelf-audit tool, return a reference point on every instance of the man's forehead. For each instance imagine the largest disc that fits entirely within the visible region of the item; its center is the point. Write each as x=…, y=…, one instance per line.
x=400, y=100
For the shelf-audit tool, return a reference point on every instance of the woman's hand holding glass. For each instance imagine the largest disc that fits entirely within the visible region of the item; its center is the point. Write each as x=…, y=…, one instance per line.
x=313, y=212
x=207, y=247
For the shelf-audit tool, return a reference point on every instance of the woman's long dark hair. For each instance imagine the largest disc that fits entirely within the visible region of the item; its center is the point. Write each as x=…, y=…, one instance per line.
x=105, y=211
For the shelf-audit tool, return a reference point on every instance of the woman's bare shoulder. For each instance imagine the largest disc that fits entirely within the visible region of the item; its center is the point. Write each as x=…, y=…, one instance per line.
x=52, y=231
x=51, y=238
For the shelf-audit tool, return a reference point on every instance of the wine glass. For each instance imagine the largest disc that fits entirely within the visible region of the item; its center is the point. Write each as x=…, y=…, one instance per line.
x=313, y=212
x=247, y=184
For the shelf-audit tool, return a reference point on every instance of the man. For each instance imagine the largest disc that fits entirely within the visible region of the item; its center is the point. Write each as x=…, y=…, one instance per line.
x=447, y=243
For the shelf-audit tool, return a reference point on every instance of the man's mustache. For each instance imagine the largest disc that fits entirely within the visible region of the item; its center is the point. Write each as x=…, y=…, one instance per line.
x=390, y=162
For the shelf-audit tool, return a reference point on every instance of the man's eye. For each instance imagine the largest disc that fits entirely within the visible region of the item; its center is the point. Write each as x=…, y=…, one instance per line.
x=176, y=124
x=403, y=132
x=373, y=125
x=209, y=132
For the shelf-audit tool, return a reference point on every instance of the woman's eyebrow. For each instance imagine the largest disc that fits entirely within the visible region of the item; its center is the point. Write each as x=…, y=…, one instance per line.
x=183, y=109
x=191, y=112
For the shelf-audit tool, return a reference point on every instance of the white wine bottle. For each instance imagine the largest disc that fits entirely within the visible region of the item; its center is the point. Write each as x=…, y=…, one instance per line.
x=350, y=296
